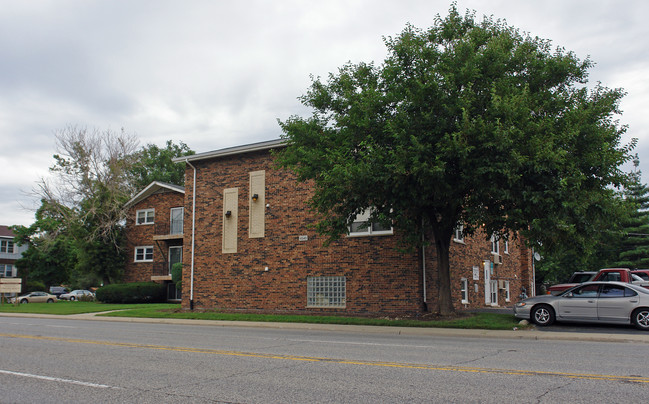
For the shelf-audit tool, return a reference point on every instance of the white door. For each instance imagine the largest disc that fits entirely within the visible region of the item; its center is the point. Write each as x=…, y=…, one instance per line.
x=487, y=282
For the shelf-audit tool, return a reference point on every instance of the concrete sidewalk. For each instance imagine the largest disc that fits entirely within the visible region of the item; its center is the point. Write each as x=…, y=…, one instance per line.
x=532, y=334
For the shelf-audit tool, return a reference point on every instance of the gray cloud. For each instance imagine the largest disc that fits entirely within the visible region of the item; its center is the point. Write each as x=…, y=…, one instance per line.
x=217, y=74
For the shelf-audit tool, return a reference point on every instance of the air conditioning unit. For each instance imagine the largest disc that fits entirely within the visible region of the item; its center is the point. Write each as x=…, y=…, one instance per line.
x=501, y=284
x=498, y=259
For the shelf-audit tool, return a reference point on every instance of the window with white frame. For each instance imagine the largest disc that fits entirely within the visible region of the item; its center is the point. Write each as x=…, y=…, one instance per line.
x=507, y=296
x=495, y=244
x=493, y=286
x=363, y=227
x=6, y=270
x=459, y=234
x=506, y=247
x=144, y=254
x=464, y=290
x=6, y=246
x=145, y=216
x=326, y=291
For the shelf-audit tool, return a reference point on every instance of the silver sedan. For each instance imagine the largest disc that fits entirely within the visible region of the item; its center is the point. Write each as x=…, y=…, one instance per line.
x=604, y=302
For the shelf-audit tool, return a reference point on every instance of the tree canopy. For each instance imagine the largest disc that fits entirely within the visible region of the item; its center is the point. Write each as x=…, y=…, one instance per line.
x=467, y=122
x=78, y=234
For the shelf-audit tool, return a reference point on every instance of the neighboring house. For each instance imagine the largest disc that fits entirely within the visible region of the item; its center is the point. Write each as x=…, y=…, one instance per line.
x=249, y=245
x=9, y=253
x=154, y=234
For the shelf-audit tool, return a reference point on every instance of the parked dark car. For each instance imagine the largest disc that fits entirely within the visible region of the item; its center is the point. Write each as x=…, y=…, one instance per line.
x=57, y=290
x=604, y=302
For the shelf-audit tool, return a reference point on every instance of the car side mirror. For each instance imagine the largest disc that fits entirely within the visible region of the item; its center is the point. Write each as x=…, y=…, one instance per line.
x=568, y=295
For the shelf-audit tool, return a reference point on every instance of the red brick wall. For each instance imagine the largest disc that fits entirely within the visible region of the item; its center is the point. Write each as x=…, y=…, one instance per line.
x=379, y=279
x=142, y=235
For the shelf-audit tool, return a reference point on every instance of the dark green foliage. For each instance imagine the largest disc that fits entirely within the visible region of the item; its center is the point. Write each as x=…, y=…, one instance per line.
x=468, y=122
x=634, y=244
x=177, y=275
x=142, y=292
x=34, y=286
x=154, y=164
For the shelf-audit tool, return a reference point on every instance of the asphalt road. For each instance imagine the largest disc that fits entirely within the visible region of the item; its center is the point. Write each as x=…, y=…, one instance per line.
x=60, y=360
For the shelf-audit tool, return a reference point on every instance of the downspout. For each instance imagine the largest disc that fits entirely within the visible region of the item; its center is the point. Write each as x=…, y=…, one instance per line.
x=423, y=263
x=191, y=280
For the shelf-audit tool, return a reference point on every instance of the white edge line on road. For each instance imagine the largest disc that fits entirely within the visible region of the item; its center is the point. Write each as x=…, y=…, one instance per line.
x=57, y=379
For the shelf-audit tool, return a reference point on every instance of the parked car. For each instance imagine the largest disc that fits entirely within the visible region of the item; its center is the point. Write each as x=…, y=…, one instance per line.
x=35, y=297
x=605, y=275
x=604, y=302
x=58, y=290
x=78, y=295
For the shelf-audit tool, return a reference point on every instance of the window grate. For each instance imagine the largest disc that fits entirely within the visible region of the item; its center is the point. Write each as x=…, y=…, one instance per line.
x=326, y=291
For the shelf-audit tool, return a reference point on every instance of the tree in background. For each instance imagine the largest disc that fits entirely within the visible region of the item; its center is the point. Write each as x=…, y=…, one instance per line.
x=634, y=244
x=468, y=122
x=154, y=164
x=78, y=234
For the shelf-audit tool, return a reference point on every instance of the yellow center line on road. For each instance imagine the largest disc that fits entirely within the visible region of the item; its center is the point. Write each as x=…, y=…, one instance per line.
x=519, y=372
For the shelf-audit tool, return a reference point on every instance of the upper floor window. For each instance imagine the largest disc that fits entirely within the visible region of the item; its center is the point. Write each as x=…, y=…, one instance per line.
x=7, y=246
x=506, y=247
x=459, y=234
x=144, y=216
x=495, y=244
x=363, y=227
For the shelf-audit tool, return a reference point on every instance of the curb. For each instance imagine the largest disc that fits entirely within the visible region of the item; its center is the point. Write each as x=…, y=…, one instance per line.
x=642, y=338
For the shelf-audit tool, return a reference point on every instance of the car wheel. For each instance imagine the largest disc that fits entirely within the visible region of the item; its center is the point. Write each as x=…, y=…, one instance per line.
x=24, y=301
x=543, y=315
x=50, y=300
x=640, y=319
x=72, y=298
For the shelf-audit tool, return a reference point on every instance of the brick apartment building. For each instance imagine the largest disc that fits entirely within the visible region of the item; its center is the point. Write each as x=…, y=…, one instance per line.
x=154, y=238
x=248, y=245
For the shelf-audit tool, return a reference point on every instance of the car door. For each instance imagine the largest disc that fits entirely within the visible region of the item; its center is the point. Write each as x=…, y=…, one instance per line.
x=580, y=304
x=615, y=303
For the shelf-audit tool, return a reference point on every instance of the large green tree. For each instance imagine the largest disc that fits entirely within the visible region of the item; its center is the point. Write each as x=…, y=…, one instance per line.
x=467, y=122
x=153, y=163
x=634, y=244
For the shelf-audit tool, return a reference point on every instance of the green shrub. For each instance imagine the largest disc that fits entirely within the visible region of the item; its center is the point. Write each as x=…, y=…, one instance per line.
x=34, y=286
x=140, y=292
x=177, y=275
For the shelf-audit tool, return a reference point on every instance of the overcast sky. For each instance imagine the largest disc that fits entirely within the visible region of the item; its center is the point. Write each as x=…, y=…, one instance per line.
x=215, y=74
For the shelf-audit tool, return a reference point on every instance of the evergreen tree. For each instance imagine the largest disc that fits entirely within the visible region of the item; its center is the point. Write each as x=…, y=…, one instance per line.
x=634, y=247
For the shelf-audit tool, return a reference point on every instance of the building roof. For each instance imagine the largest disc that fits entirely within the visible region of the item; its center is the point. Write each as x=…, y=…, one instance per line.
x=5, y=231
x=153, y=188
x=230, y=151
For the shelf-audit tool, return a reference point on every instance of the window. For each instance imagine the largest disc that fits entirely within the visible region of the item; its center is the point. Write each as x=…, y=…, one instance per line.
x=495, y=244
x=464, y=290
x=506, y=247
x=459, y=234
x=7, y=246
x=363, y=227
x=507, y=294
x=145, y=216
x=588, y=291
x=493, y=288
x=6, y=270
x=610, y=277
x=326, y=291
x=144, y=254
x=176, y=224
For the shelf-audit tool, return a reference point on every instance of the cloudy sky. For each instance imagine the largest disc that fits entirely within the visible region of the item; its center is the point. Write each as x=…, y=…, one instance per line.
x=215, y=73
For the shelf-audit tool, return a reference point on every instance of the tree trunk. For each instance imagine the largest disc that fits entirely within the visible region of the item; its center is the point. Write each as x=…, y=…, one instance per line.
x=442, y=245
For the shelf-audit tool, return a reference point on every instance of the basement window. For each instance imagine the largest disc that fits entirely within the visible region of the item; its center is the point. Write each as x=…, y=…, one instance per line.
x=326, y=291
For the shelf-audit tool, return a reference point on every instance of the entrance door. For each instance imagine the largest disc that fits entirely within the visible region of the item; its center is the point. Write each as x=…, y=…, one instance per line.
x=487, y=282
x=175, y=255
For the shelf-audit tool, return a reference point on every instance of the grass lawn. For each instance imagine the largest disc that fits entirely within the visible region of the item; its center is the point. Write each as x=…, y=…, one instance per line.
x=488, y=321
x=64, y=307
